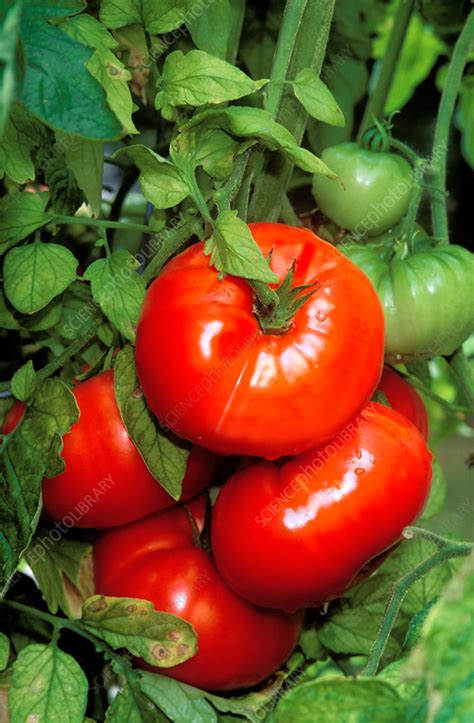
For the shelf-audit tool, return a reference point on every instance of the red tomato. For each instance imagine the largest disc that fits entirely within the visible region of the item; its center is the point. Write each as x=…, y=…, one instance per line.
x=156, y=559
x=297, y=534
x=404, y=399
x=106, y=481
x=210, y=373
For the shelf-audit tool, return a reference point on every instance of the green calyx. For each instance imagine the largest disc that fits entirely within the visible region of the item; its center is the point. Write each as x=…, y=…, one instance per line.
x=275, y=308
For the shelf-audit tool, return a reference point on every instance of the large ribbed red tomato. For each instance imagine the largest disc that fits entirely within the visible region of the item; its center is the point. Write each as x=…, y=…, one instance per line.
x=210, y=373
x=156, y=559
x=300, y=533
x=404, y=399
x=106, y=482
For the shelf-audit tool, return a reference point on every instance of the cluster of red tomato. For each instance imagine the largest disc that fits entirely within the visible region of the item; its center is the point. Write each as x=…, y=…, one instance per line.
x=339, y=476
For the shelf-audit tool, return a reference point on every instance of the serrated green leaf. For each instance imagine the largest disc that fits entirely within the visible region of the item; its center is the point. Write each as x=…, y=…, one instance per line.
x=118, y=289
x=198, y=78
x=24, y=382
x=105, y=67
x=9, y=38
x=86, y=160
x=4, y=651
x=179, y=702
x=20, y=215
x=156, y=17
x=337, y=700
x=316, y=98
x=81, y=106
x=131, y=705
x=63, y=570
x=166, y=460
x=22, y=134
x=162, y=639
x=33, y=275
x=212, y=149
x=47, y=685
x=210, y=30
x=233, y=250
x=160, y=181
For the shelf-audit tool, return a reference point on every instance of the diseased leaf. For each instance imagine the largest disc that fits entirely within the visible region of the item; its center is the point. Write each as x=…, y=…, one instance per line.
x=20, y=215
x=316, y=98
x=47, y=685
x=24, y=382
x=162, y=639
x=118, y=289
x=131, y=705
x=166, y=460
x=180, y=702
x=198, y=78
x=233, y=250
x=160, y=181
x=33, y=275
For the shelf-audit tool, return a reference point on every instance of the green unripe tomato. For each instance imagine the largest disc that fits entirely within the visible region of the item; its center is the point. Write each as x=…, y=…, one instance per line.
x=373, y=191
x=427, y=297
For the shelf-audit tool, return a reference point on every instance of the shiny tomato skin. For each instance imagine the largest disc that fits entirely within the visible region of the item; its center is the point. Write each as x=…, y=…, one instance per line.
x=155, y=559
x=404, y=399
x=211, y=375
x=298, y=534
x=106, y=482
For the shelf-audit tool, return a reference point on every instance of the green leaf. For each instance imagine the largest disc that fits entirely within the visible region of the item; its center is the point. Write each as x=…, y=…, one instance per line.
x=20, y=215
x=353, y=629
x=7, y=319
x=212, y=149
x=310, y=644
x=316, y=98
x=443, y=658
x=4, y=651
x=66, y=195
x=178, y=701
x=438, y=492
x=210, y=30
x=420, y=50
x=47, y=685
x=198, y=78
x=246, y=122
x=105, y=67
x=80, y=105
x=86, y=160
x=63, y=570
x=33, y=275
x=118, y=289
x=131, y=705
x=24, y=382
x=160, y=181
x=464, y=118
x=166, y=460
x=9, y=37
x=233, y=250
x=162, y=639
x=337, y=700
x=22, y=134
x=156, y=17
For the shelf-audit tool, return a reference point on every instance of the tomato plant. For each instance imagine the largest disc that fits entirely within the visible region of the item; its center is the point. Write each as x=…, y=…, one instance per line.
x=229, y=231
x=156, y=558
x=225, y=378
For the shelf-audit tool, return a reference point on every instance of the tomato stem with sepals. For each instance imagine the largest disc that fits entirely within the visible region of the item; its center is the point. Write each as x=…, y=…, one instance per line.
x=443, y=122
x=275, y=310
x=376, y=102
x=376, y=138
x=446, y=550
x=301, y=44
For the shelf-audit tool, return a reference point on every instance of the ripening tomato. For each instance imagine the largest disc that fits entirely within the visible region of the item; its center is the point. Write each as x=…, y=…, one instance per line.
x=156, y=559
x=300, y=533
x=106, y=482
x=404, y=399
x=211, y=374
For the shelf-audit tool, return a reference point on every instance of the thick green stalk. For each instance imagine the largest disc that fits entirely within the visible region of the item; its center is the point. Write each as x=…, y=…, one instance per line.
x=446, y=550
x=462, y=49
x=464, y=374
x=301, y=44
x=376, y=102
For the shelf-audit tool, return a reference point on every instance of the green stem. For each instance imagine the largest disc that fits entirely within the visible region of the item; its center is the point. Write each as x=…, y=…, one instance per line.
x=463, y=373
x=86, y=335
x=224, y=196
x=447, y=549
x=103, y=224
x=408, y=223
x=301, y=44
x=243, y=195
x=410, y=154
x=443, y=122
x=171, y=241
x=376, y=103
